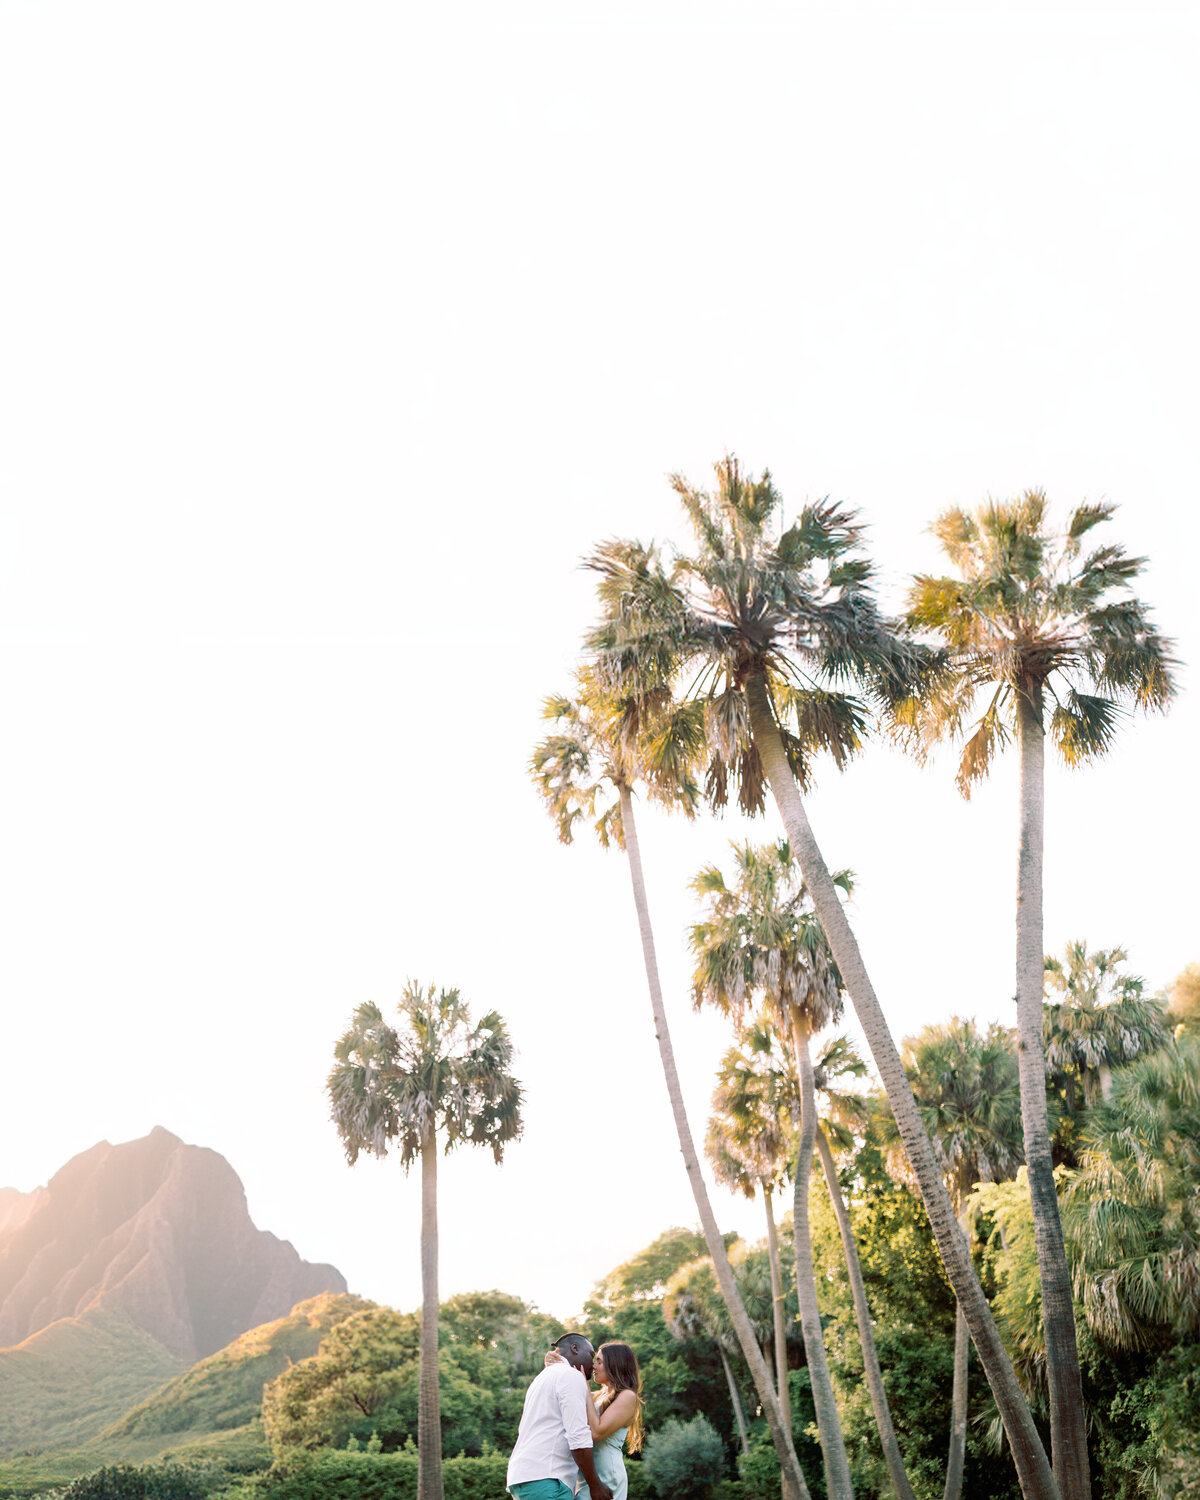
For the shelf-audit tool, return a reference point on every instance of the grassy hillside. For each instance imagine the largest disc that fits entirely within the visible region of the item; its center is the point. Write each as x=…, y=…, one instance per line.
x=207, y=1412
x=69, y=1381
x=224, y=1391
x=240, y=1450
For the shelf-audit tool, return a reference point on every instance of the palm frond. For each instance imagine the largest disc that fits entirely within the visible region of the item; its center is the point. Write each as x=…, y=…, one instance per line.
x=1083, y=726
x=979, y=750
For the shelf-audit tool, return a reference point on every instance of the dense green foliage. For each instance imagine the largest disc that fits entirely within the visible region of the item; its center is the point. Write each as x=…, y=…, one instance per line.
x=367, y=1475
x=362, y=1382
x=166, y=1481
x=684, y=1460
x=225, y=1390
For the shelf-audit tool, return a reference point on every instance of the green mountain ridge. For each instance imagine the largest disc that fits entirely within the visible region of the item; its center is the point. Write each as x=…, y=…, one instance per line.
x=95, y=1390
x=64, y=1384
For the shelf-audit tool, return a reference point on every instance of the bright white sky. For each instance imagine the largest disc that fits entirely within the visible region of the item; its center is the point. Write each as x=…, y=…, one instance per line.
x=331, y=337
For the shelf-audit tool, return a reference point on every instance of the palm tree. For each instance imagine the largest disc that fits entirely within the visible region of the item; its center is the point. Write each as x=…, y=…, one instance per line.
x=748, y=1145
x=1101, y=1020
x=692, y=1309
x=1132, y=1213
x=1047, y=637
x=967, y=1090
x=761, y=936
x=399, y=1088
x=766, y=630
x=602, y=746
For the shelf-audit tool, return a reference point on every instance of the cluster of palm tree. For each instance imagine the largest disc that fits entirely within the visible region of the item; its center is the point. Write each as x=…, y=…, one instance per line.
x=729, y=670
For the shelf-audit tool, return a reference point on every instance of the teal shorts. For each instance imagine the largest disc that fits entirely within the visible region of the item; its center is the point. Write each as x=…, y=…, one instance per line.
x=541, y=1489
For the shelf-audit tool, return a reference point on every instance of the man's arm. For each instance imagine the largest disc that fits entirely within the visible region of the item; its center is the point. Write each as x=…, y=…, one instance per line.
x=597, y=1488
x=572, y=1391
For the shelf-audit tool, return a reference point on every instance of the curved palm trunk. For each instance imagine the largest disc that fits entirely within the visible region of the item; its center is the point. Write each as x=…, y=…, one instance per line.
x=777, y=1313
x=1068, y=1433
x=794, y=1485
x=429, y=1417
x=734, y=1399
x=1033, y=1468
x=862, y=1313
x=833, y=1446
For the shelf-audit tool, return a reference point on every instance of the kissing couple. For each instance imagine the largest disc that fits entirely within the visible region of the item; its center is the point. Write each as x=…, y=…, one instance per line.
x=569, y=1438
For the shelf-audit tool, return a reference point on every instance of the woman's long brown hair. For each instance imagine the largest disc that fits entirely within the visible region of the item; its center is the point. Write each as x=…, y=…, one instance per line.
x=621, y=1366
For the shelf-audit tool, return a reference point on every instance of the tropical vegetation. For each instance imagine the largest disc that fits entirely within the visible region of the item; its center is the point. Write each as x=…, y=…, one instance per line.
x=1018, y=1202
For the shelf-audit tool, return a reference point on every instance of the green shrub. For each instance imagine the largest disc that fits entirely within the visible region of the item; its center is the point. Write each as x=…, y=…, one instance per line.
x=685, y=1459
x=639, y=1488
x=165, y=1481
x=1149, y=1440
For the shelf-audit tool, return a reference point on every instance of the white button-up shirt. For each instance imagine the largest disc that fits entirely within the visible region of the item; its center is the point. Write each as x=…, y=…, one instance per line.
x=553, y=1421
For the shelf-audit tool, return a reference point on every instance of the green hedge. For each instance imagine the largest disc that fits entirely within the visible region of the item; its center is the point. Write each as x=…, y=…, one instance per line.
x=161, y=1481
x=342, y=1475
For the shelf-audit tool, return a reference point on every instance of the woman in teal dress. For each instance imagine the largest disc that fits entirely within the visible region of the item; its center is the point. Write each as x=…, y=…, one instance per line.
x=614, y=1414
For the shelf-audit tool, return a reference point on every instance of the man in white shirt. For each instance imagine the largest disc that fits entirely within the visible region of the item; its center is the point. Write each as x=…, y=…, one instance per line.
x=554, y=1440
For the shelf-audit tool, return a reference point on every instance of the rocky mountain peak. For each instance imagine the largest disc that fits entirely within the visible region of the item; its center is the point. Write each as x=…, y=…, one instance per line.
x=156, y=1231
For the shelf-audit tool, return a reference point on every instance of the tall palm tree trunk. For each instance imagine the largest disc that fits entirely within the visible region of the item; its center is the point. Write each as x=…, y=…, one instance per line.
x=735, y=1400
x=833, y=1447
x=862, y=1313
x=1068, y=1432
x=778, y=1320
x=958, y=1409
x=794, y=1485
x=1033, y=1467
x=429, y=1417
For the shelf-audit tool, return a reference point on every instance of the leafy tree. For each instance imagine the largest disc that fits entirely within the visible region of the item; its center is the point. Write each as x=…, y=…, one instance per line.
x=364, y=1378
x=605, y=743
x=966, y=1086
x=1096, y=1018
x=1052, y=639
x=684, y=1459
x=501, y=1324
x=692, y=1308
x=398, y=1088
x=344, y=1389
x=644, y=1276
x=768, y=629
x=1185, y=998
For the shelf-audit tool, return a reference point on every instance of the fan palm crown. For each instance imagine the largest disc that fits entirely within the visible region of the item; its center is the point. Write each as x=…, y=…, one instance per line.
x=965, y=1082
x=761, y=935
x=748, y=1141
x=392, y=1087
x=795, y=608
x=1096, y=1018
x=1132, y=1213
x=1034, y=617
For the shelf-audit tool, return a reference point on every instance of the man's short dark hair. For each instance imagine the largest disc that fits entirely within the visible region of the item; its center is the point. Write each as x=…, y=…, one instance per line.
x=572, y=1338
